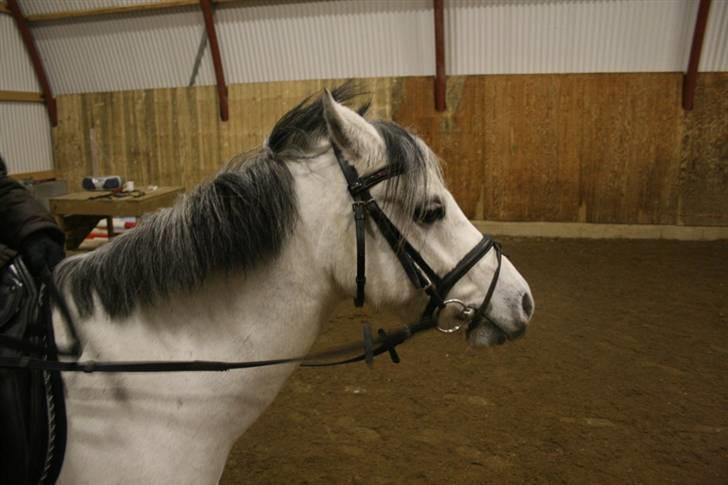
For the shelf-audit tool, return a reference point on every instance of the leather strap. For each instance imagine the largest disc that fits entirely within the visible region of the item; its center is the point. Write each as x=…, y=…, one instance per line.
x=418, y=271
x=415, y=267
x=480, y=312
x=371, y=346
x=366, y=182
x=399, y=245
x=360, y=221
x=75, y=346
x=364, y=204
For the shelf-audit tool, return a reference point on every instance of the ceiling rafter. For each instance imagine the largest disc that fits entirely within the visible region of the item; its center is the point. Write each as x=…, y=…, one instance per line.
x=106, y=11
x=690, y=79
x=222, y=91
x=139, y=8
x=440, y=76
x=40, y=73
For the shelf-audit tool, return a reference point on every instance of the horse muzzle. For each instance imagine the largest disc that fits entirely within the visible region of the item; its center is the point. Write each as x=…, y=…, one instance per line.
x=480, y=329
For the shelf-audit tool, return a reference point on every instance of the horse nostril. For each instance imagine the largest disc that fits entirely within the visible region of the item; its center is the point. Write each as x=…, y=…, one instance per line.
x=527, y=303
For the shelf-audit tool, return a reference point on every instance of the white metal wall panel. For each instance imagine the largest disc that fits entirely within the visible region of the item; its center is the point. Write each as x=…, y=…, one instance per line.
x=314, y=40
x=545, y=36
x=715, y=46
x=273, y=40
x=16, y=71
x=25, y=137
x=123, y=53
x=38, y=7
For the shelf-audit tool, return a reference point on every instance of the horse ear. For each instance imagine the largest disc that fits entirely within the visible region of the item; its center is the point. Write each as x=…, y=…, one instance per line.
x=358, y=140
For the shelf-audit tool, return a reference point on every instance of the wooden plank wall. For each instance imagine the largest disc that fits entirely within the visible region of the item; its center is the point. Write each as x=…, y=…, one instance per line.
x=174, y=136
x=606, y=148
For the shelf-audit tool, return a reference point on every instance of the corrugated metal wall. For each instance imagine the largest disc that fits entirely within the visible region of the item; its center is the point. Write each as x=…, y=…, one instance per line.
x=327, y=40
x=549, y=36
x=715, y=49
x=25, y=137
x=123, y=53
x=273, y=41
x=17, y=71
x=25, y=134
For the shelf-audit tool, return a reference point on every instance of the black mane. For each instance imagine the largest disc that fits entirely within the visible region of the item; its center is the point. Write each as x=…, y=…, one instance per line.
x=235, y=222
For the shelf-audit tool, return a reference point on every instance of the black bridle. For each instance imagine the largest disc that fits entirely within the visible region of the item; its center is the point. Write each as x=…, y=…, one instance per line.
x=420, y=273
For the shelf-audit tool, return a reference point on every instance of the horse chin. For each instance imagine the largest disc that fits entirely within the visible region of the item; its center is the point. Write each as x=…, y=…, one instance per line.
x=485, y=334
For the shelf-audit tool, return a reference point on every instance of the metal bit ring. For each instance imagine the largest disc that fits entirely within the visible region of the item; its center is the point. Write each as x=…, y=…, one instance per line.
x=464, y=318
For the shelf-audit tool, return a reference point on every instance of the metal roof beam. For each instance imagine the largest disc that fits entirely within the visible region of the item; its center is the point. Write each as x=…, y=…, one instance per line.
x=35, y=59
x=690, y=79
x=222, y=91
x=440, y=76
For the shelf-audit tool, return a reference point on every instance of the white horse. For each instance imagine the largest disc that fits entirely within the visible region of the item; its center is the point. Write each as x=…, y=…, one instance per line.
x=247, y=267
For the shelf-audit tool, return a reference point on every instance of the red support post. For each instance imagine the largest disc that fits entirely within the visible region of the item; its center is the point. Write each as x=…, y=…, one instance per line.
x=440, y=77
x=222, y=92
x=690, y=79
x=32, y=50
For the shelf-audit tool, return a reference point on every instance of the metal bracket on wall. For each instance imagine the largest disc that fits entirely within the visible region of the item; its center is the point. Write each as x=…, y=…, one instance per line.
x=198, y=60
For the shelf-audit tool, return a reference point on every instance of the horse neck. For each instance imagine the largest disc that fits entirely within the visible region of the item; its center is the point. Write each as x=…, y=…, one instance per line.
x=272, y=312
x=276, y=307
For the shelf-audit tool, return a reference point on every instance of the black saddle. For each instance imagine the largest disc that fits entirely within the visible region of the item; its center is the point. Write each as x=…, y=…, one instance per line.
x=32, y=409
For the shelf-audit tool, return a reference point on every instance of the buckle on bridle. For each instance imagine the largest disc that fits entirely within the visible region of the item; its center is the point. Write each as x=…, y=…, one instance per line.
x=359, y=207
x=430, y=288
x=464, y=318
x=356, y=187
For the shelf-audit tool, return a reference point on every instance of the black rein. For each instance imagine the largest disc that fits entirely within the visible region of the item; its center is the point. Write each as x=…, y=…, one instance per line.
x=416, y=268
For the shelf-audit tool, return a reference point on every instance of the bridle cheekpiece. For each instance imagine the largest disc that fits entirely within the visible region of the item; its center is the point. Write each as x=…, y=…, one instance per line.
x=419, y=272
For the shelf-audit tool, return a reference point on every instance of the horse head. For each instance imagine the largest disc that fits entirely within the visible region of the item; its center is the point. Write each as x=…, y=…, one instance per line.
x=405, y=180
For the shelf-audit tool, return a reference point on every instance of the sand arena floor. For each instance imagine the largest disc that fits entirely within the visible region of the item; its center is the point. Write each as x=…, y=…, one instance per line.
x=622, y=378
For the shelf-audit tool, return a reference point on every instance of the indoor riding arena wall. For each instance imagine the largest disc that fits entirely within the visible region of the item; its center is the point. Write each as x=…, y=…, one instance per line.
x=598, y=148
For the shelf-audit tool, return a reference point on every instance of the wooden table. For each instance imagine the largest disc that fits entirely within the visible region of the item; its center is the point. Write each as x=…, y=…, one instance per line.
x=78, y=213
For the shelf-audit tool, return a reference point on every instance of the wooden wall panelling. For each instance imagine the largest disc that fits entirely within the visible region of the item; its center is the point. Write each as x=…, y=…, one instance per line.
x=703, y=170
x=560, y=147
x=607, y=148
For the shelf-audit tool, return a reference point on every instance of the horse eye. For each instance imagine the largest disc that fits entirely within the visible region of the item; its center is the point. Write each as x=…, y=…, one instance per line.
x=430, y=214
